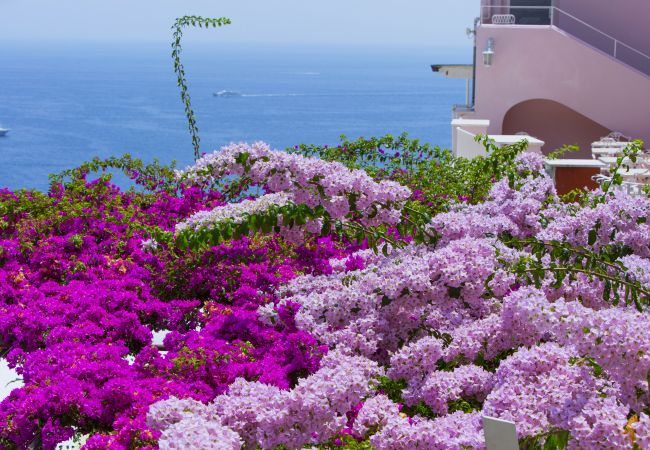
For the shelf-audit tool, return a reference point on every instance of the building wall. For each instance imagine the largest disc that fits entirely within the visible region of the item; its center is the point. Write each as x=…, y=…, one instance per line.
x=555, y=124
x=541, y=62
x=625, y=20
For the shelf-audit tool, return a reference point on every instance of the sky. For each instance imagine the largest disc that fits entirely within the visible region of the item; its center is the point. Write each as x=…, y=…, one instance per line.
x=399, y=23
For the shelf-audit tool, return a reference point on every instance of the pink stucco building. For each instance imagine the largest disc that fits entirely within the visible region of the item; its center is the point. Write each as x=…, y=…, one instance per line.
x=563, y=71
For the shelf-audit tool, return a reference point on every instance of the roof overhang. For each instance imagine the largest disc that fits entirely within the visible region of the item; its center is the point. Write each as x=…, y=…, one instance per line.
x=464, y=71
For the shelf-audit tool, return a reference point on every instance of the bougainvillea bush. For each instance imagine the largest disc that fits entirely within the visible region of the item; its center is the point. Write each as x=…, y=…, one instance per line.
x=347, y=301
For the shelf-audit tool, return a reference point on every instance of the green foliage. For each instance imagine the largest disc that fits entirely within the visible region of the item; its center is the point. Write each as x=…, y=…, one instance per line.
x=33, y=203
x=553, y=440
x=646, y=190
x=268, y=221
x=72, y=195
x=437, y=178
x=178, y=26
x=491, y=365
x=555, y=154
x=587, y=361
x=579, y=196
x=152, y=177
x=345, y=442
x=498, y=164
x=264, y=222
x=582, y=197
x=379, y=156
x=393, y=390
x=464, y=405
x=565, y=261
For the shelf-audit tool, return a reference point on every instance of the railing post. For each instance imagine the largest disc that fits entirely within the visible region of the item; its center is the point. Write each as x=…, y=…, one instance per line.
x=615, y=47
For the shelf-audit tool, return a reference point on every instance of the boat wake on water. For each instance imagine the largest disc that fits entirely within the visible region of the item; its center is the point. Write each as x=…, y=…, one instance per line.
x=229, y=94
x=273, y=95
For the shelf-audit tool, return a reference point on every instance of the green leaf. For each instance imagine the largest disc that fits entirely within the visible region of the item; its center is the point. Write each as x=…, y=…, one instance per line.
x=267, y=224
x=373, y=211
x=593, y=236
x=454, y=292
x=327, y=227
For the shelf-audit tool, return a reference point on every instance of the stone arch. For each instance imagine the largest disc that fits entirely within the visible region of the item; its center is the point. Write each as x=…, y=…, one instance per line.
x=555, y=124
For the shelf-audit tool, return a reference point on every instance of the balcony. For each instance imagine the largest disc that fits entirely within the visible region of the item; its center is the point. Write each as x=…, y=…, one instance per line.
x=545, y=13
x=519, y=12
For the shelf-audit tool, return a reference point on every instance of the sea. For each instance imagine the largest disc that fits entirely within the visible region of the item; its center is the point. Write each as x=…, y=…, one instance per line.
x=66, y=103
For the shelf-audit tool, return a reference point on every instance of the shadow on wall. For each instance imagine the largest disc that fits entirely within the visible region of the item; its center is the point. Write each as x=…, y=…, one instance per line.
x=555, y=124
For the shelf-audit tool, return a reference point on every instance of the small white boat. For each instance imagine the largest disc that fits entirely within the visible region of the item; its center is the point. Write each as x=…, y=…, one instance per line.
x=3, y=131
x=227, y=94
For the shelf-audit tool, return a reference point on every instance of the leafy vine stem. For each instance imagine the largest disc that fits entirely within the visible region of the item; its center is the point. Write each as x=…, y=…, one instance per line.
x=178, y=26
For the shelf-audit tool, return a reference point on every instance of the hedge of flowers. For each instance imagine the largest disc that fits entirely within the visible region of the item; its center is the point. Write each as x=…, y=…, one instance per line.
x=81, y=298
x=344, y=308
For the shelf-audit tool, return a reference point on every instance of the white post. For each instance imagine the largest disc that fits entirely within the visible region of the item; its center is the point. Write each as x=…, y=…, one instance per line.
x=500, y=434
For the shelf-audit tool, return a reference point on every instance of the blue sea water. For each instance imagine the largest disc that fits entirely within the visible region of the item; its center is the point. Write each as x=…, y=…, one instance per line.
x=68, y=103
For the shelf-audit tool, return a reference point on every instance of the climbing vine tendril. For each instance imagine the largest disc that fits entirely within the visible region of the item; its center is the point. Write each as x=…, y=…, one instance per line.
x=178, y=26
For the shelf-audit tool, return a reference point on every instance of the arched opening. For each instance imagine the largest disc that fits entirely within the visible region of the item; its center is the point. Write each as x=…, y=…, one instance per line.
x=555, y=124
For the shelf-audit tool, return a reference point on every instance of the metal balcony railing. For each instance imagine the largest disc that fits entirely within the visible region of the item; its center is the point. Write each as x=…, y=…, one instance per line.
x=631, y=188
x=554, y=16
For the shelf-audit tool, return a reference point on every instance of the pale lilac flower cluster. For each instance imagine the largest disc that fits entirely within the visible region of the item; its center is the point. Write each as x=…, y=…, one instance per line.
x=455, y=324
x=516, y=211
x=199, y=433
x=185, y=423
x=441, y=387
x=529, y=162
x=416, y=360
x=642, y=431
x=621, y=219
x=313, y=412
x=372, y=310
x=417, y=363
x=388, y=309
x=538, y=389
x=600, y=424
x=639, y=267
x=474, y=338
x=308, y=181
x=375, y=414
x=547, y=388
x=232, y=212
x=453, y=431
x=365, y=258
x=165, y=413
x=616, y=338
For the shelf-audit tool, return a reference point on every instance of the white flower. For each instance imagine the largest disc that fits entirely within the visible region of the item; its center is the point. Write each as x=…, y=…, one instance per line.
x=149, y=245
